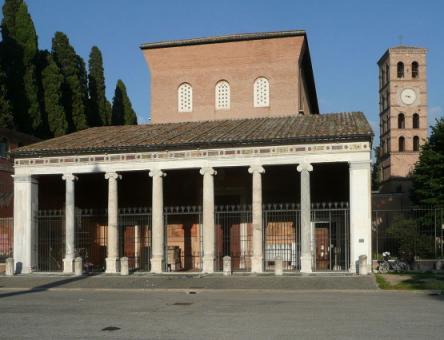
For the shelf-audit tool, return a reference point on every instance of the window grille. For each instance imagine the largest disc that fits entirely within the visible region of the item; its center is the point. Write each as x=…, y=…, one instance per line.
x=261, y=92
x=222, y=95
x=185, y=98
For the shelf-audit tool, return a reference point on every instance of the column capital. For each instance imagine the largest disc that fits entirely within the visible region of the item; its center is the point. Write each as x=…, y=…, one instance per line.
x=256, y=169
x=208, y=171
x=69, y=177
x=359, y=164
x=157, y=173
x=305, y=167
x=112, y=175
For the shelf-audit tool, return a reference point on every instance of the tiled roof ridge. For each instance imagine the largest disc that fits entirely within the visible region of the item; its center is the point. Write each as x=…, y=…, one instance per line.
x=223, y=38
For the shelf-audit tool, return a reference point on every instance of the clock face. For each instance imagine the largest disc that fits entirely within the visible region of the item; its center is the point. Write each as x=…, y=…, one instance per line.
x=408, y=96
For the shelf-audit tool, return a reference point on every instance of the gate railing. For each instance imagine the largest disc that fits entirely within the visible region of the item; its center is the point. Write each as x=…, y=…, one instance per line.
x=6, y=238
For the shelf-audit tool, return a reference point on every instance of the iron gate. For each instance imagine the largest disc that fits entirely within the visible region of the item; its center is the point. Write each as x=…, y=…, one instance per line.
x=331, y=235
x=135, y=237
x=183, y=238
x=50, y=240
x=91, y=238
x=6, y=238
x=282, y=235
x=233, y=236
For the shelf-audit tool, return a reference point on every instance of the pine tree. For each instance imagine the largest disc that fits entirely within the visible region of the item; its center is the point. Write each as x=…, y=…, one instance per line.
x=19, y=50
x=98, y=110
x=428, y=175
x=74, y=87
x=52, y=81
x=122, y=113
x=6, y=117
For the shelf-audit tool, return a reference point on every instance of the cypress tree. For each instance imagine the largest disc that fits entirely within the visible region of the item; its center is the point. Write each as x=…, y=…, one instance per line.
x=6, y=117
x=122, y=112
x=19, y=49
x=74, y=89
x=52, y=81
x=98, y=110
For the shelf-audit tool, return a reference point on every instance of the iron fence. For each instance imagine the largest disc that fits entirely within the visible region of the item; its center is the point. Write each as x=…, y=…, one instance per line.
x=233, y=236
x=50, y=240
x=6, y=238
x=282, y=235
x=183, y=238
x=331, y=236
x=414, y=233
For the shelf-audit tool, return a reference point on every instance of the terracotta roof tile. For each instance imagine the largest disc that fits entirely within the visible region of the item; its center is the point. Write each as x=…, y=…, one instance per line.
x=213, y=134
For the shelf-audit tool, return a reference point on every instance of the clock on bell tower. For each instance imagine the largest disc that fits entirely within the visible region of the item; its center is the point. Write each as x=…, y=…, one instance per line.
x=403, y=110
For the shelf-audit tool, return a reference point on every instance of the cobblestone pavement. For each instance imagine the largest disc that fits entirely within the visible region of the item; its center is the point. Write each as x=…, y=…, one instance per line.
x=197, y=282
x=220, y=314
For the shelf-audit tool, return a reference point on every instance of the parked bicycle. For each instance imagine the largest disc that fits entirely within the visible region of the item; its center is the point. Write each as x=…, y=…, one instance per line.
x=387, y=265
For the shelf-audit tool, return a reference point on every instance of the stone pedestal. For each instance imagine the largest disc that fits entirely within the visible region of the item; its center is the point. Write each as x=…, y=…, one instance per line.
x=157, y=264
x=112, y=265
x=68, y=265
x=363, y=265
x=124, y=268
x=227, y=265
x=278, y=266
x=9, y=270
x=78, y=266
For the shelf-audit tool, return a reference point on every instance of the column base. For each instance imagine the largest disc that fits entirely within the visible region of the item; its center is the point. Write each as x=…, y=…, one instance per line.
x=257, y=264
x=112, y=265
x=306, y=264
x=68, y=265
x=208, y=264
x=157, y=264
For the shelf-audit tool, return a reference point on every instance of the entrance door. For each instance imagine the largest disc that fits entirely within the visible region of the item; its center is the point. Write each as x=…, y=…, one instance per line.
x=322, y=237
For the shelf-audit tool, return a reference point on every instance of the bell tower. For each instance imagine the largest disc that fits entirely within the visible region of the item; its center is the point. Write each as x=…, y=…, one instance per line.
x=402, y=112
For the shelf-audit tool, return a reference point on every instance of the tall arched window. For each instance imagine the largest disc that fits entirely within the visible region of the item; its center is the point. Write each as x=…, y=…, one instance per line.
x=415, y=71
x=185, y=98
x=401, y=121
x=387, y=73
x=416, y=143
x=401, y=144
x=415, y=121
x=261, y=92
x=400, y=69
x=222, y=95
x=4, y=147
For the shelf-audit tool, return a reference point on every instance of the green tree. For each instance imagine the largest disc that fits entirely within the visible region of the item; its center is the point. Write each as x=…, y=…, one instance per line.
x=74, y=89
x=122, y=111
x=19, y=50
x=98, y=108
x=376, y=169
x=6, y=117
x=428, y=175
x=52, y=82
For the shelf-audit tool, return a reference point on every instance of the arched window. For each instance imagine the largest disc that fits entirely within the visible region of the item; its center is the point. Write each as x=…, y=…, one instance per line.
x=415, y=121
x=401, y=144
x=4, y=147
x=415, y=71
x=387, y=73
x=401, y=121
x=222, y=95
x=185, y=98
x=400, y=70
x=261, y=92
x=416, y=143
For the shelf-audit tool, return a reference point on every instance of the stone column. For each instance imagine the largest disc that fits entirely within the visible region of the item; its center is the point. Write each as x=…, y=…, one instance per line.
x=208, y=219
x=26, y=200
x=257, y=261
x=68, y=261
x=112, y=260
x=158, y=233
x=360, y=213
x=306, y=228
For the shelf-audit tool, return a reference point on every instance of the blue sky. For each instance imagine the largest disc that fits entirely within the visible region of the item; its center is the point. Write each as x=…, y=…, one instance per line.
x=346, y=39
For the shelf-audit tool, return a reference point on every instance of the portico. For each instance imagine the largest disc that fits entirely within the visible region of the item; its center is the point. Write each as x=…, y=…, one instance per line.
x=154, y=165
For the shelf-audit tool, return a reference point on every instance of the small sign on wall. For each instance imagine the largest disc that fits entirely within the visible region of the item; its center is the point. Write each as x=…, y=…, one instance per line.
x=361, y=240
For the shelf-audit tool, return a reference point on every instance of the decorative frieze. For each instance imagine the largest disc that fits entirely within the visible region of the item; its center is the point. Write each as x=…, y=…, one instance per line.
x=266, y=151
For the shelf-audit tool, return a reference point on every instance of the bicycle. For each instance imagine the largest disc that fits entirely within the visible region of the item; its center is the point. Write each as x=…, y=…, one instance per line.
x=387, y=265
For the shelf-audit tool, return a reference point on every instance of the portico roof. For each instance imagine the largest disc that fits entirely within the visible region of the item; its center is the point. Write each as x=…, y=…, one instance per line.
x=294, y=129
